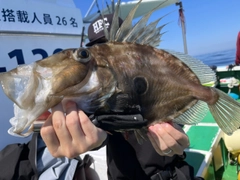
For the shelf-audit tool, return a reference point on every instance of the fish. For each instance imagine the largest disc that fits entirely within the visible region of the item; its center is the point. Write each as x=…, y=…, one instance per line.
x=168, y=86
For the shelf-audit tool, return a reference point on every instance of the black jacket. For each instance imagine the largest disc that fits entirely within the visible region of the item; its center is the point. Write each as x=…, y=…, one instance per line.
x=18, y=161
x=128, y=160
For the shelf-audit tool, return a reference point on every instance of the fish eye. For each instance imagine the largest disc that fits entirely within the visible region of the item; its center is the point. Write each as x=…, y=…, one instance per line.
x=83, y=55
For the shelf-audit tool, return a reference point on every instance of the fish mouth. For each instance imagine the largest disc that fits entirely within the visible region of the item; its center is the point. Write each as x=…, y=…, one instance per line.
x=36, y=87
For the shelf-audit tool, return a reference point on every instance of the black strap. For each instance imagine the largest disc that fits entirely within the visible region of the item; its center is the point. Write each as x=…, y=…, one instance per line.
x=165, y=175
x=174, y=172
x=169, y=174
x=111, y=122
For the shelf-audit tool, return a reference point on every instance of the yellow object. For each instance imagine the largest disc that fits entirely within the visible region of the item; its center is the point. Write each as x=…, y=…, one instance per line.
x=232, y=142
x=239, y=159
x=233, y=145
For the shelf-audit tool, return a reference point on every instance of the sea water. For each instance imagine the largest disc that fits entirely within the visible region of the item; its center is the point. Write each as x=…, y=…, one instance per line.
x=219, y=58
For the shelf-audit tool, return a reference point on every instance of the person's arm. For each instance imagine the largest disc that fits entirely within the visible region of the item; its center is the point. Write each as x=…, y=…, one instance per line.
x=168, y=139
x=72, y=133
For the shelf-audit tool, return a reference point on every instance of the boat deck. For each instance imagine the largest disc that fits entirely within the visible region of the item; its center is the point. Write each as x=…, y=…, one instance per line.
x=227, y=173
x=207, y=152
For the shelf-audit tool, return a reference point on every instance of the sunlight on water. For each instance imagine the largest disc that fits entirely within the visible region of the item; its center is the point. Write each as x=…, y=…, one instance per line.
x=220, y=58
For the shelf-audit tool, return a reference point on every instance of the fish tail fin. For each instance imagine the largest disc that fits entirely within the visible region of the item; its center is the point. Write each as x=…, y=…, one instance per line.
x=226, y=113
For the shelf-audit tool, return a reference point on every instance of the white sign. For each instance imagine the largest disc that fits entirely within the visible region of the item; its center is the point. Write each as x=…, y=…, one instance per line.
x=39, y=17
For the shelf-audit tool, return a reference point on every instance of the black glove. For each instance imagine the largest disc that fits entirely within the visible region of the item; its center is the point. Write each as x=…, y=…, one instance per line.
x=113, y=122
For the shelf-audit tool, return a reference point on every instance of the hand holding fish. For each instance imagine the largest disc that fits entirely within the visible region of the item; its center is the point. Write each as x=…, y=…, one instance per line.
x=71, y=134
x=168, y=140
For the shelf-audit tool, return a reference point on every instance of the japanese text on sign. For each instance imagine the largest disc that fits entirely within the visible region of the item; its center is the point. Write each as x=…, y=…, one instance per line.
x=9, y=15
x=39, y=17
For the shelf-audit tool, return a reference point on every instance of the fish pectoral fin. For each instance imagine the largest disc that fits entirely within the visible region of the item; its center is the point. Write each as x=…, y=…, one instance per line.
x=226, y=113
x=193, y=115
x=141, y=135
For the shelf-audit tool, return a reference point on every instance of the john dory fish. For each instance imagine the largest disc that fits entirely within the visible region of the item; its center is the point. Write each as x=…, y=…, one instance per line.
x=167, y=86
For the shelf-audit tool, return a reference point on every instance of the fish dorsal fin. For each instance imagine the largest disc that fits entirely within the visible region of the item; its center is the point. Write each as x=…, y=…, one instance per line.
x=140, y=33
x=202, y=71
x=147, y=31
x=110, y=36
x=193, y=115
x=140, y=26
x=106, y=33
x=115, y=23
x=154, y=37
x=150, y=32
x=126, y=26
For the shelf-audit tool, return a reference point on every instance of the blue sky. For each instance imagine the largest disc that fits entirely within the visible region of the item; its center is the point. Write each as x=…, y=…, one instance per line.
x=211, y=25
